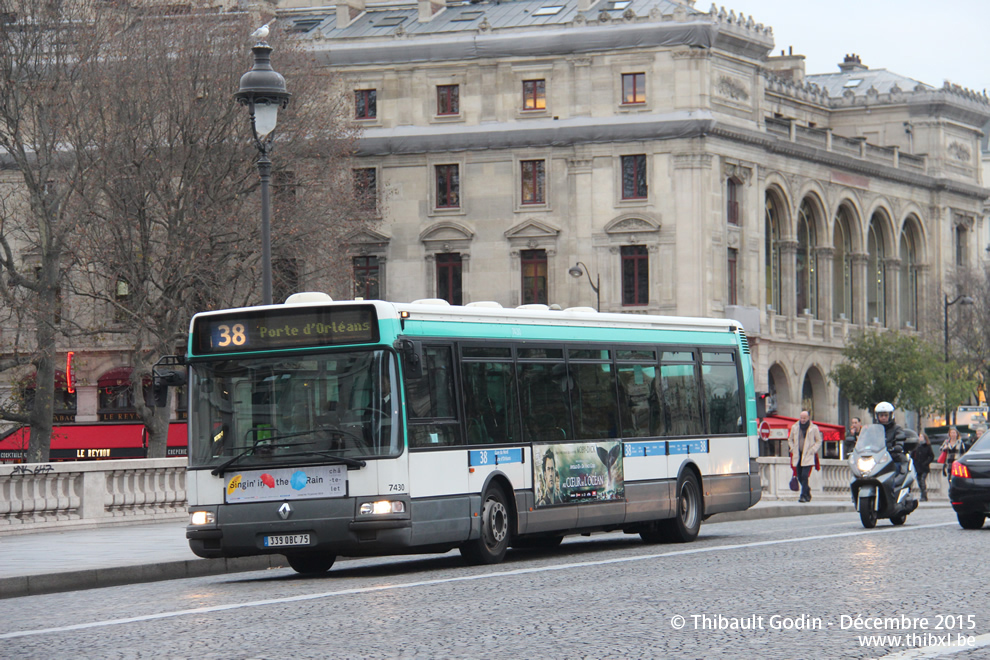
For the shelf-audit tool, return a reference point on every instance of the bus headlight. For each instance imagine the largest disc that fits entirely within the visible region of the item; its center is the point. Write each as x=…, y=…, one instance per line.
x=382, y=506
x=202, y=518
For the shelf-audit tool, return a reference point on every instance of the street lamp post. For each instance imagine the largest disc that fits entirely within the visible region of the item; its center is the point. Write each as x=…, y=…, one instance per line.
x=263, y=91
x=580, y=269
x=962, y=300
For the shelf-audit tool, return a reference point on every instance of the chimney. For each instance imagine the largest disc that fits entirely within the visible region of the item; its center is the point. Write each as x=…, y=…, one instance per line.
x=347, y=11
x=852, y=63
x=585, y=5
x=429, y=8
x=787, y=66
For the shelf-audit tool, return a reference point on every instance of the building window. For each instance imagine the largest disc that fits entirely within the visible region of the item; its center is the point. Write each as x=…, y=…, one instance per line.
x=909, y=279
x=876, y=285
x=731, y=276
x=122, y=298
x=772, y=247
x=534, y=276
x=732, y=201
x=448, y=187
x=633, y=88
x=366, y=188
x=449, y=277
x=635, y=275
x=366, y=104
x=534, y=95
x=533, y=182
x=448, y=100
x=842, y=270
x=961, y=246
x=116, y=396
x=805, y=264
x=366, y=278
x=634, y=177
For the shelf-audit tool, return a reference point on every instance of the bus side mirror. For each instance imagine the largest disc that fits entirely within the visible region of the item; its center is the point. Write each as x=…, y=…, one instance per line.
x=412, y=357
x=162, y=379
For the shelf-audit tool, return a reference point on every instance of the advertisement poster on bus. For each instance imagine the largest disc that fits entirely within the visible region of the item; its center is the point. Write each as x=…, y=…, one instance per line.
x=578, y=472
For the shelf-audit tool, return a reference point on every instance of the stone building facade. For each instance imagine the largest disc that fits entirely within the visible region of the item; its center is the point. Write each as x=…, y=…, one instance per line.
x=665, y=149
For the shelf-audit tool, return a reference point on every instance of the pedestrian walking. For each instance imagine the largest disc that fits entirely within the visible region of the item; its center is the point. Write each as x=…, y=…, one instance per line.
x=803, y=442
x=951, y=450
x=923, y=457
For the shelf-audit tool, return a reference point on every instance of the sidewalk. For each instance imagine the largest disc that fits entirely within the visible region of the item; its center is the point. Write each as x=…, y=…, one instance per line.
x=56, y=561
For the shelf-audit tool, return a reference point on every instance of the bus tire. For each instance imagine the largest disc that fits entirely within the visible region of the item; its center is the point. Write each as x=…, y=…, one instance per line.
x=311, y=564
x=686, y=523
x=496, y=530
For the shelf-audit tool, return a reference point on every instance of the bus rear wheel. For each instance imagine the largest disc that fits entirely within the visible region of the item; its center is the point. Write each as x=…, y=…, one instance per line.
x=309, y=564
x=686, y=523
x=496, y=530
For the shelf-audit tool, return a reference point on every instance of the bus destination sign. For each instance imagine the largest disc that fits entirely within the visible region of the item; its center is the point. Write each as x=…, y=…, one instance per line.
x=273, y=329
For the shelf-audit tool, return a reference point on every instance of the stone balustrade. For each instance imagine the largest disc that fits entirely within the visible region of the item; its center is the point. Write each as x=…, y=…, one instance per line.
x=47, y=495
x=831, y=482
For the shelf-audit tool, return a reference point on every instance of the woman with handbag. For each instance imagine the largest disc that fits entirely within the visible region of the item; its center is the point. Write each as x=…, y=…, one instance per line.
x=951, y=450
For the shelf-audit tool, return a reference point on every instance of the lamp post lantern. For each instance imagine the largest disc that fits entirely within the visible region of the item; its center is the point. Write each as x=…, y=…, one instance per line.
x=962, y=300
x=580, y=269
x=263, y=91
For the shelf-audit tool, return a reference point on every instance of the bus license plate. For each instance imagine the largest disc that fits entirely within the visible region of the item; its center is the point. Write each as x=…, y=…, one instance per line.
x=286, y=539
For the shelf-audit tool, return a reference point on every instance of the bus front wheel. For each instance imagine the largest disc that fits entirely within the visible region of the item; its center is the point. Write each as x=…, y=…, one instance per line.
x=309, y=564
x=496, y=532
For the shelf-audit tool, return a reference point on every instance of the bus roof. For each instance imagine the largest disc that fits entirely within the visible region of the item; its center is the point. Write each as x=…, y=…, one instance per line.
x=493, y=312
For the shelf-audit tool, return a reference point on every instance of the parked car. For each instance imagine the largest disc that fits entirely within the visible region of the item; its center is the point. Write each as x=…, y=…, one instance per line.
x=969, y=485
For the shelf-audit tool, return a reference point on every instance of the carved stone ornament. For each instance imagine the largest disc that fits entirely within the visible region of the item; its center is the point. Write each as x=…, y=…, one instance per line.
x=737, y=171
x=959, y=151
x=731, y=88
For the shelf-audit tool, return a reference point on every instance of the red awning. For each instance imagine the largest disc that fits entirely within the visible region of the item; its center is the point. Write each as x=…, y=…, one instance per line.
x=90, y=436
x=115, y=377
x=780, y=426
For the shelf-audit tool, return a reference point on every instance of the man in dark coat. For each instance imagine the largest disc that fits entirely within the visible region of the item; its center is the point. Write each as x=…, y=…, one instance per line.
x=923, y=457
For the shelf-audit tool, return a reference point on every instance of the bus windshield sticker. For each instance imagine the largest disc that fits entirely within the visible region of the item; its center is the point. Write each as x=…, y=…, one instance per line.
x=284, y=328
x=578, y=472
x=287, y=484
x=482, y=457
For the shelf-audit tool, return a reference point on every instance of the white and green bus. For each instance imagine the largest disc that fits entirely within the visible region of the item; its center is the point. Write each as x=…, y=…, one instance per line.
x=320, y=429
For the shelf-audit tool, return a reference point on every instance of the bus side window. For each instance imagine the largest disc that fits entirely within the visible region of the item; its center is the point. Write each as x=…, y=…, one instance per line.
x=430, y=401
x=489, y=402
x=724, y=407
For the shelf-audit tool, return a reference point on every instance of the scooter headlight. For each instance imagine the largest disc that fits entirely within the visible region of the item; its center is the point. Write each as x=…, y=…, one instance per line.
x=866, y=464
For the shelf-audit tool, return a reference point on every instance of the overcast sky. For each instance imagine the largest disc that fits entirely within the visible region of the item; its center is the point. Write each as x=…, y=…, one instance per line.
x=926, y=40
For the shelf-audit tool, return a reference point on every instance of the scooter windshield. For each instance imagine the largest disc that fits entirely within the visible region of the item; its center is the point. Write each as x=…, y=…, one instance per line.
x=872, y=439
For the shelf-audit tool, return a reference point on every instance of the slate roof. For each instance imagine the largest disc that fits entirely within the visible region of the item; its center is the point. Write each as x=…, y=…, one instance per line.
x=383, y=19
x=861, y=80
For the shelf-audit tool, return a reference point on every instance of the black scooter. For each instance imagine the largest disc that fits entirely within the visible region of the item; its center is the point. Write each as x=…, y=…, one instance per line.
x=878, y=491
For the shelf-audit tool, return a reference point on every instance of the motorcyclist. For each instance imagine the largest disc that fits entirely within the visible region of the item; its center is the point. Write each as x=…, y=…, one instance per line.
x=894, y=436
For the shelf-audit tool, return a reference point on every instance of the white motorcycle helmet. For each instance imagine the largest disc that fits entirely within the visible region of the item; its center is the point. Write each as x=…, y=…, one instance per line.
x=884, y=407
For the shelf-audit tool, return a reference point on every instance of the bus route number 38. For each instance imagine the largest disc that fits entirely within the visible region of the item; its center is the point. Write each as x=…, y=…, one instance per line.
x=231, y=335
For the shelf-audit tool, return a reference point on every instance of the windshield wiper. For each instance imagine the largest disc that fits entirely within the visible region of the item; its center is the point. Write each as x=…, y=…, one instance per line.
x=346, y=460
x=218, y=470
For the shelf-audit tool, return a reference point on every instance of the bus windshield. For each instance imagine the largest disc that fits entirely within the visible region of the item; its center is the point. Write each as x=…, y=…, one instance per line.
x=290, y=410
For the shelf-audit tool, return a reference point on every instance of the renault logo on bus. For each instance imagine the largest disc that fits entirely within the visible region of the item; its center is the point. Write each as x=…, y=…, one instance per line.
x=285, y=511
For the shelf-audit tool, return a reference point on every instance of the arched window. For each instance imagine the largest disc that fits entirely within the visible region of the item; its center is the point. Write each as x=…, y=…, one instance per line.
x=772, y=238
x=876, y=301
x=842, y=272
x=909, y=278
x=805, y=270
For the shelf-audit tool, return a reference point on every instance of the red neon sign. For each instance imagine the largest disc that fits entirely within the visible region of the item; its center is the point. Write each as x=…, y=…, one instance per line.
x=70, y=382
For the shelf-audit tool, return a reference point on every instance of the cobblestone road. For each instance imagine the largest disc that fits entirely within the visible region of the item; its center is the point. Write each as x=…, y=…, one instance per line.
x=779, y=588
